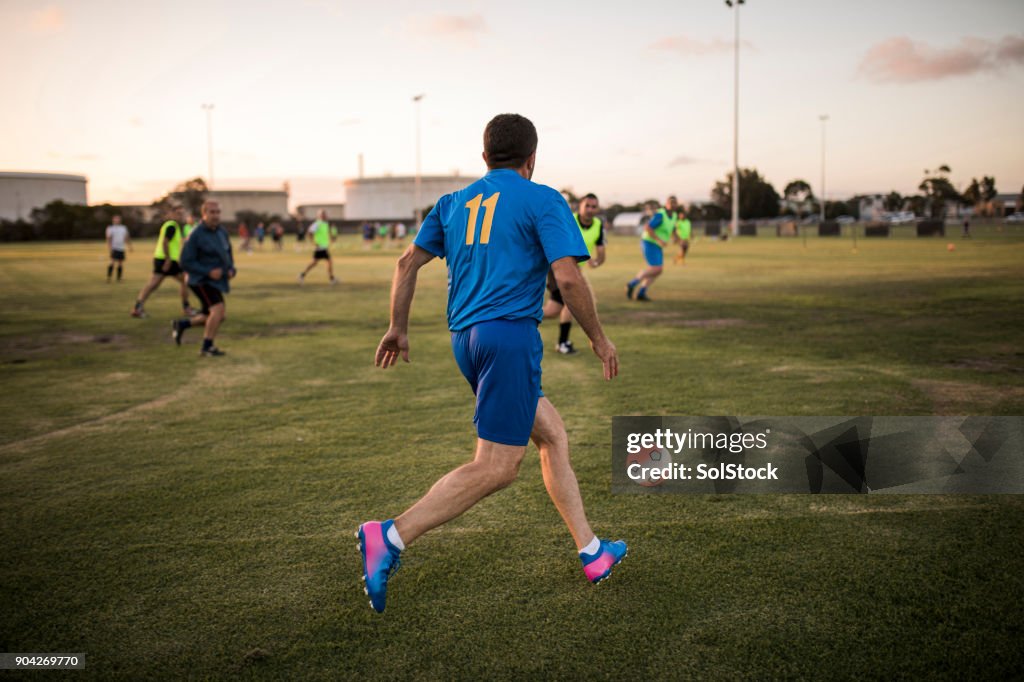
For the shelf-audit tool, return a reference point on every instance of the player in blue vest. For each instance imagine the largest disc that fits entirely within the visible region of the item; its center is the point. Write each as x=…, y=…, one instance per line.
x=499, y=236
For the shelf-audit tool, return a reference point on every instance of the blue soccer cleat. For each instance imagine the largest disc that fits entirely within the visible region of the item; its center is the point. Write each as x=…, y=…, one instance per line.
x=380, y=560
x=598, y=566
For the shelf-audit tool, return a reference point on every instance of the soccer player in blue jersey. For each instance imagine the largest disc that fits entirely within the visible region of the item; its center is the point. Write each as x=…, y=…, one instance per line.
x=499, y=236
x=655, y=238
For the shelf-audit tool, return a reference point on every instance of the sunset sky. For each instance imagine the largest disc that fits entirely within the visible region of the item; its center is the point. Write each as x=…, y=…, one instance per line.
x=631, y=100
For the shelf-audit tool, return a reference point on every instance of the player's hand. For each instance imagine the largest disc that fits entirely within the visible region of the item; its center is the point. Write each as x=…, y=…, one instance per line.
x=216, y=274
x=605, y=350
x=231, y=273
x=391, y=346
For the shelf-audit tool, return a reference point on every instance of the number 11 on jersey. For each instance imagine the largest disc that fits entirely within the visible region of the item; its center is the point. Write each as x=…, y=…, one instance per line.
x=474, y=209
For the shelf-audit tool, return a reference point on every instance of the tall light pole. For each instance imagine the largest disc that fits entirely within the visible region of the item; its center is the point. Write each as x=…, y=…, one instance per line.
x=735, y=4
x=823, y=118
x=418, y=209
x=208, y=108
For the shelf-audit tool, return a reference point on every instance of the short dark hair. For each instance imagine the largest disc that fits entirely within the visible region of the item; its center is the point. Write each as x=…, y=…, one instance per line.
x=588, y=195
x=509, y=140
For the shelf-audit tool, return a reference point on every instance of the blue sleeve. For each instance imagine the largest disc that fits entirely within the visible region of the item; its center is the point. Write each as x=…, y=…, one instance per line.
x=655, y=221
x=431, y=233
x=558, y=233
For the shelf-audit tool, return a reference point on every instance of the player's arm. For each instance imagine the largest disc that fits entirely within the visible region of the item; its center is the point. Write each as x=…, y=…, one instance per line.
x=128, y=241
x=403, y=286
x=577, y=296
x=110, y=243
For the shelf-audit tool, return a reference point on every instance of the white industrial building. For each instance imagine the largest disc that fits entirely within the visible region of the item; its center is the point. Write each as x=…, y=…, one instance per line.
x=394, y=198
x=22, y=192
x=272, y=202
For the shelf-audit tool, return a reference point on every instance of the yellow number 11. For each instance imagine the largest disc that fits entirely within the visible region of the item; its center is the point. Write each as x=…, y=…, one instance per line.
x=474, y=209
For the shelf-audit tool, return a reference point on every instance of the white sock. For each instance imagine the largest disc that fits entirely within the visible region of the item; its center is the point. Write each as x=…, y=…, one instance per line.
x=592, y=548
x=394, y=538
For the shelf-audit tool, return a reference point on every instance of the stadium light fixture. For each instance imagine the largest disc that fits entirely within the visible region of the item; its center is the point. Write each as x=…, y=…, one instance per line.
x=208, y=108
x=735, y=227
x=418, y=210
x=823, y=118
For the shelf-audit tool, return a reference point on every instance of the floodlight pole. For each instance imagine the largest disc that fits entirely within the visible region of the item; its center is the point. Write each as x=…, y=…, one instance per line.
x=735, y=4
x=208, y=108
x=823, y=118
x=418, y=210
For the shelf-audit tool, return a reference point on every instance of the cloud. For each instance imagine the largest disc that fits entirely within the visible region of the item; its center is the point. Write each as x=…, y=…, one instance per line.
x=48, y=20
x=901, y=60
x=693, y=47
x=462, y=29
x=684, y=160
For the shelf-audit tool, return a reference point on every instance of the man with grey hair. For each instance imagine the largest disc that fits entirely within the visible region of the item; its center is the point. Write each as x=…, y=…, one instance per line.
x=208, y=260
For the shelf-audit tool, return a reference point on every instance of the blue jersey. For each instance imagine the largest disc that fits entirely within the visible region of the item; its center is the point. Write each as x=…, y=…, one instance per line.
x=499, y=237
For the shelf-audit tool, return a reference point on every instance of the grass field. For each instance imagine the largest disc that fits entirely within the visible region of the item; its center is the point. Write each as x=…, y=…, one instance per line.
x=174, y=516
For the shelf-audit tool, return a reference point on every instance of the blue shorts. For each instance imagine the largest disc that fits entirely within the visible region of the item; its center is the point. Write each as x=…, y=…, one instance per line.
x=501, y=361
x=652, y=253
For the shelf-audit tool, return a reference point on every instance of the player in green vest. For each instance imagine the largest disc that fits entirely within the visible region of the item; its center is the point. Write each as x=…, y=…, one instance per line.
x=656, y=235
x=166, y=258
x=592, y=230
x=323, y=234
x=682, y=236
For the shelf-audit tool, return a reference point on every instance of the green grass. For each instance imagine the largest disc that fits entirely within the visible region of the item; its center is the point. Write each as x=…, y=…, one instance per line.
x=172, y=516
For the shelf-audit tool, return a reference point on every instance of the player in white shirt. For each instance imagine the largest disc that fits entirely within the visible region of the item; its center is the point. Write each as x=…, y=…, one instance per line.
x=117, y=239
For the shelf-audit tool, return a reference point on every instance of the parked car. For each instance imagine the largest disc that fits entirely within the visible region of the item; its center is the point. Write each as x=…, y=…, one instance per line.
x=846, y=220
x=1017, y=217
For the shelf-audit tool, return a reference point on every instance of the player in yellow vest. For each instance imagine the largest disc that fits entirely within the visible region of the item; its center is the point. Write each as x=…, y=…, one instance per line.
x=682, y=236
x=656, y=234
x=592, y=230
x=323, y=235
x=166, y=261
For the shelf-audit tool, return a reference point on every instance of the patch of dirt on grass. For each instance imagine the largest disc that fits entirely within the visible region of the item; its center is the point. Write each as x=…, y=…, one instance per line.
x=211, y=377
x=41, y=344
x=993, y=365
x=961, y=397
x=677, y=320
x=290, y=329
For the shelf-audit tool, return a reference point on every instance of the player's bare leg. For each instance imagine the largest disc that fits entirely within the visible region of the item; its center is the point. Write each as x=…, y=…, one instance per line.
x=559, y=478
x=494, y=467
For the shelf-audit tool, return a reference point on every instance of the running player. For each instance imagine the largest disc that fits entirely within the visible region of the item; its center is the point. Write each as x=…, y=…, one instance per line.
x=323, y=235
x=655, y=238
x=593, y=236
x=682, y=237
x=499, y=236
x=165, y=262
x=117, y=238
x=208, y=260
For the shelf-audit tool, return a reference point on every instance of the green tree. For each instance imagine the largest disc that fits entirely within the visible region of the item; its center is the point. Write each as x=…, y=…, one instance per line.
x=988, y=188
x=893, y=201
x=191, y=194
x=799, y=196
x=938, y=190
x=972, y=195
x=758, y=199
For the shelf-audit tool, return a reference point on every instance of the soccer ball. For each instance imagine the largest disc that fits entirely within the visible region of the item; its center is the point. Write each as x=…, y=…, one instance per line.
x=652, y=458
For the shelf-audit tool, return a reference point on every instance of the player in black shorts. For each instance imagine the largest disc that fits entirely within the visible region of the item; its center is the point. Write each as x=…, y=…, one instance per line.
x=208, y=260
x=165, y=261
